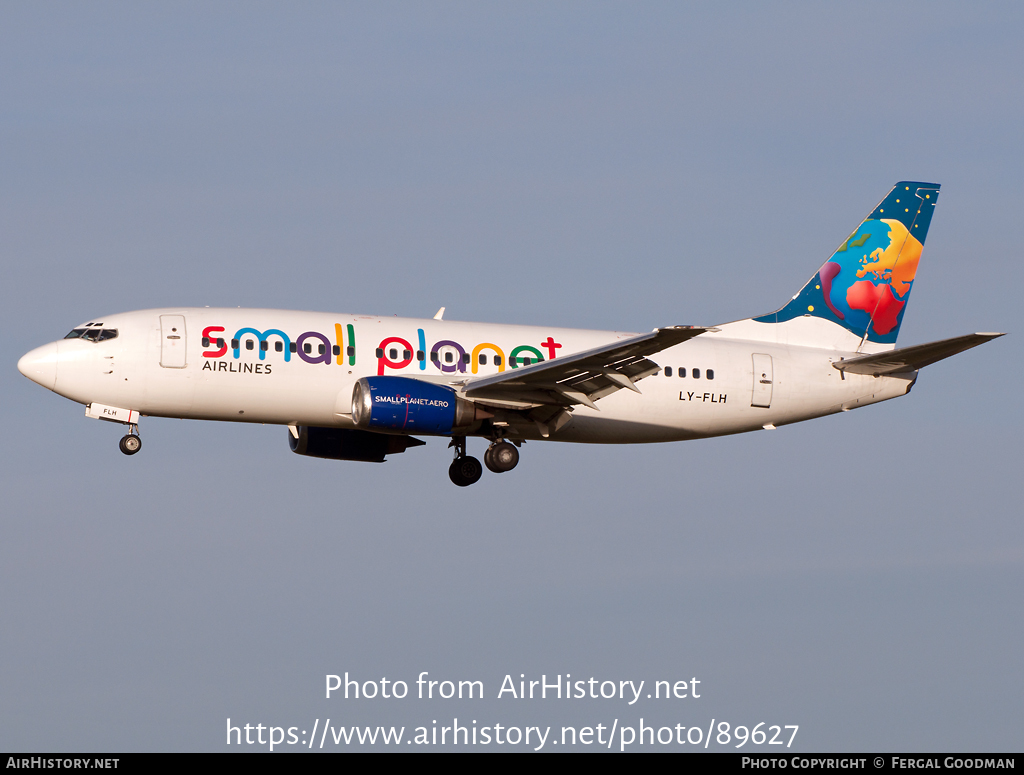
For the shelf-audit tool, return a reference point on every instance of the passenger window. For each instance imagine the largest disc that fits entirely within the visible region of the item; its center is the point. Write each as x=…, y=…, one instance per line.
x=380, y=352
x=234, y=344
x=336, y=350
x=292, y=347
x=710, y=374
x=406, y=355
x=525, y=361
x=206, y=341
x=420, y=355
x=696, y=373
x=497, y=360
x=220, y=342
x=307, y=348
x=668, y=371
x=350, y=351
x=483, y=359
x=393, y=354
x=278, y=346
x=465, y=357
x=248, y=344
x=322, y=349
x=433, y=355
x=448, y=357
x=264, y=345
x=682, y=371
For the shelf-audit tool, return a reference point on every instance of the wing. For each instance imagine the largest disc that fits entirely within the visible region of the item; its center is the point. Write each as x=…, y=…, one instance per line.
x=581, y=378
x=911, y=358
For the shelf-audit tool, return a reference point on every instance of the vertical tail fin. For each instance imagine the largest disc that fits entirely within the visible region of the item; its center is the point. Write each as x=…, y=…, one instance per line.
x=864, y=287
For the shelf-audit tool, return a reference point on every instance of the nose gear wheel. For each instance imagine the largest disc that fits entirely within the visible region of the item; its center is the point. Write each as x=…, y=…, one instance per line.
x=130, y=444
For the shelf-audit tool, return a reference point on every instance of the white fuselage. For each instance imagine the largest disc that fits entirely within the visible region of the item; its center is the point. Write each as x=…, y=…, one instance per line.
x=147, y=370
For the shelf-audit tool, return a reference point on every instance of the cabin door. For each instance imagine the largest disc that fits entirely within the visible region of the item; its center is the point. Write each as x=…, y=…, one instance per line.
x=172, y=341
x=762, y=380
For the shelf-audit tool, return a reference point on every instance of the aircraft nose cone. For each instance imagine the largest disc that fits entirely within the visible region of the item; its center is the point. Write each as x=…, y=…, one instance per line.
x=40, y=365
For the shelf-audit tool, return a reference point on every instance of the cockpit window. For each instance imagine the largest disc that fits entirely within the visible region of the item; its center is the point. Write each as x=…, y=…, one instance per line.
x=93, y=334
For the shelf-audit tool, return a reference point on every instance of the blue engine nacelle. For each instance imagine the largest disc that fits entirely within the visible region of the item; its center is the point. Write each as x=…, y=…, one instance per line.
x=404, y=405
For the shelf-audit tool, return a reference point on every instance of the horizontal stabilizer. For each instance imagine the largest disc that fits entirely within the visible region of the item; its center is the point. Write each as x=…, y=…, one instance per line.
x=911, y=358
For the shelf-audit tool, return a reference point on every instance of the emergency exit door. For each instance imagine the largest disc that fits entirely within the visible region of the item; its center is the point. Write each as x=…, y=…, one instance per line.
x=762, y=380
x=172, y=341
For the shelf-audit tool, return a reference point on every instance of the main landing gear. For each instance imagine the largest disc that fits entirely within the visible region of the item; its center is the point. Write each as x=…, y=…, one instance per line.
x=500, y=457
x=131, y=443
x=464, y=470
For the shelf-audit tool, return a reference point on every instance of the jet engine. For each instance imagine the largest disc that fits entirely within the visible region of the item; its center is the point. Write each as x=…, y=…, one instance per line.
x=345, y=444
x=404, y=405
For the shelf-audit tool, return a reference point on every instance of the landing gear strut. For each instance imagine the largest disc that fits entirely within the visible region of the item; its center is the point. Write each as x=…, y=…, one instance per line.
x=131, y=443
x=501, y=457
x=464, y=470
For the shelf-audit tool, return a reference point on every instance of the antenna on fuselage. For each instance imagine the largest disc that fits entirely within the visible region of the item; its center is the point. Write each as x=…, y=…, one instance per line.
x=440, y=314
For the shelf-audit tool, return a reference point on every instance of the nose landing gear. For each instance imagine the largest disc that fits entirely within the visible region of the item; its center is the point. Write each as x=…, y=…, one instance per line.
x=464, y=470
x=131, y=443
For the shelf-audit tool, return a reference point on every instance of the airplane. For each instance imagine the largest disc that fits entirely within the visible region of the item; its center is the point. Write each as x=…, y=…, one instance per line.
x=362, y=387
